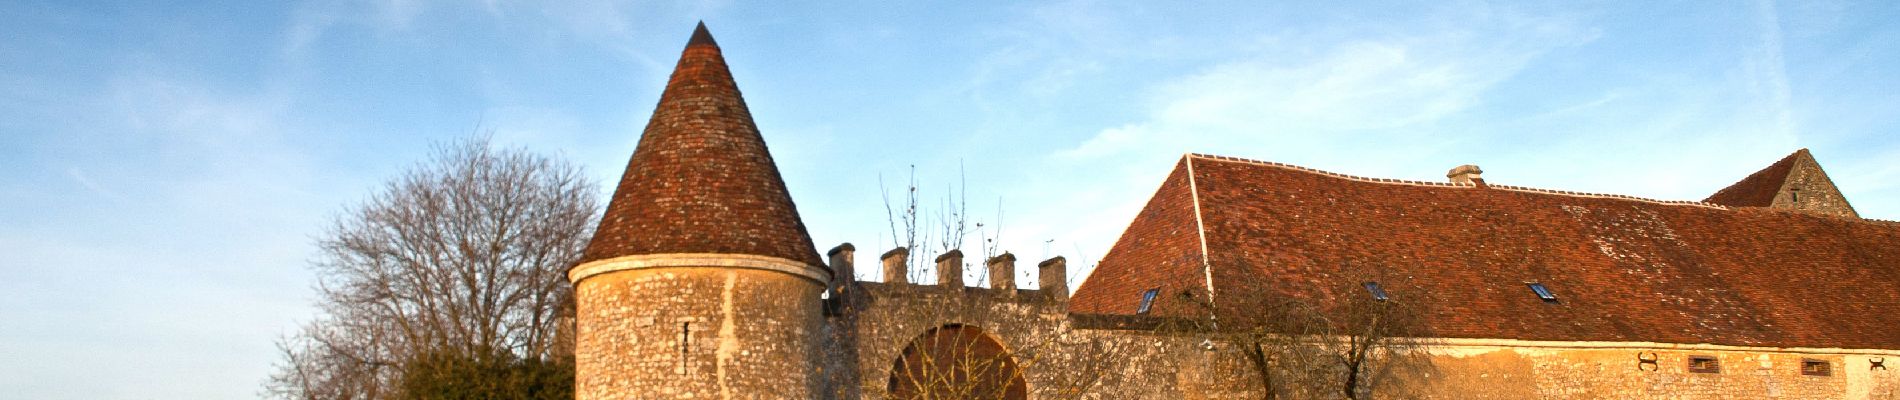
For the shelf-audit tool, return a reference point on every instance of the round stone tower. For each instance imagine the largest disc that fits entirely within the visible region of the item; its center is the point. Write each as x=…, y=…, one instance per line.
x=701, y=281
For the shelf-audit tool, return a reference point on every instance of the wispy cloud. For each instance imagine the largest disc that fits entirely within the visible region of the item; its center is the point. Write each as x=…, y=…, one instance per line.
x=201, y=203
x=1410, y=80
x=1298, y=99
x=398, y=14
x=1766, y=66
x=80, y=177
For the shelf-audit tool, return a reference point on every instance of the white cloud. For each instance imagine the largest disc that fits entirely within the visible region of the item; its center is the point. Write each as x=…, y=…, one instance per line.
x=1361, y=85
x=181, y=243
x=398, y=14
x=1373, y=105
x=80, y=177
x=1768, y=69
x=1358, y=86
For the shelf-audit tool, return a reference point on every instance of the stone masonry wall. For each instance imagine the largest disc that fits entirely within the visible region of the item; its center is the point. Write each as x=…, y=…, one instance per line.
x=1063, y=357
x=1502, y=372
x=1058, y=360
x=1809, y=189
x=682, y=333
x=744, y=334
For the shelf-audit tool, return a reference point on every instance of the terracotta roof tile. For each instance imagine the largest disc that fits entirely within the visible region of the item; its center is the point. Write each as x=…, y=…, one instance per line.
x=1623, y=269
x=702, y=180
x=1160, y=250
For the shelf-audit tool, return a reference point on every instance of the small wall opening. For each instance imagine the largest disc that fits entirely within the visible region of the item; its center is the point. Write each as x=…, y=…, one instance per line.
x=1705, y=365
x=1813, y=367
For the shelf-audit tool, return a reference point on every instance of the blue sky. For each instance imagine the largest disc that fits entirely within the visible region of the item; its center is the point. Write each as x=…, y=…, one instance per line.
x=168, y=164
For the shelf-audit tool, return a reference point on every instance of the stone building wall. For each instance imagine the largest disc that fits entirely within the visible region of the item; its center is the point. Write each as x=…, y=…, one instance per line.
x=1059, y=360
x=1066, y=355
x=747, y=333
x=1579, y=370
x=1809, y=189
x=869, y=324
x=679, y=333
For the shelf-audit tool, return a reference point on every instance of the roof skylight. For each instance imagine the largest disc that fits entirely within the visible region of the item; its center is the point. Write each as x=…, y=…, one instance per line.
x=1147, y=300
x=1542, y=292
x=1378, y=293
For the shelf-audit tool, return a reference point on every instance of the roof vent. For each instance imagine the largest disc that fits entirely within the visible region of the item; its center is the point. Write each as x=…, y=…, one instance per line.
x=1465, y=174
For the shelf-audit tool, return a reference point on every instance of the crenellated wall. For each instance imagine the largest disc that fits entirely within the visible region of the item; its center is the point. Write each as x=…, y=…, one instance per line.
x=1060, y=356
x=1056, y=356
x=1067, y=355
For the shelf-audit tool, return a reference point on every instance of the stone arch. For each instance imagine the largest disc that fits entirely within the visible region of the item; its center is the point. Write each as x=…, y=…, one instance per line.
x=956, y=361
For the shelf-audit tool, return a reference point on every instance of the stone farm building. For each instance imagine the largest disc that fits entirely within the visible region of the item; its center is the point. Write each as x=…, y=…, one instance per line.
x=701, y=282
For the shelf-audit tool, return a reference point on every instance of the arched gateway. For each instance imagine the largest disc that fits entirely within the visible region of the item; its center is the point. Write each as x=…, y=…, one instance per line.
x=956, y=362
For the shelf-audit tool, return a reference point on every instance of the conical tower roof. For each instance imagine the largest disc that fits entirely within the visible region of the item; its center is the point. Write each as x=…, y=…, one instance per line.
x=701, y=180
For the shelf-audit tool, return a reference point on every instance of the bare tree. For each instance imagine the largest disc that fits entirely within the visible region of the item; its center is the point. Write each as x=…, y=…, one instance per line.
x=1350, y=347
x=953, y=355
x=464, y=254
x=968, y=345
x=1375, y=339
x=956, y=362
x=926, y=232
x=1275, y=342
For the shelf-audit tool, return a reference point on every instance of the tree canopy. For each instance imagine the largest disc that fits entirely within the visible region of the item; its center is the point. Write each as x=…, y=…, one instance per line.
x=451, y=272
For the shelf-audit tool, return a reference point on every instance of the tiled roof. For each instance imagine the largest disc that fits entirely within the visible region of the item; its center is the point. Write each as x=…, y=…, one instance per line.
x=1758, y=189
x=1623, y=269
x=702, y=180
x=1160, y=250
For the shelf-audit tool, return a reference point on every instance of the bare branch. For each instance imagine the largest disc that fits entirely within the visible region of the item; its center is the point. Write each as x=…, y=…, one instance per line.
x=463, y=254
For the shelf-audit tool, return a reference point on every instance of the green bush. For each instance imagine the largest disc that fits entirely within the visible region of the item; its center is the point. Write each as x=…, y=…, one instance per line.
x=494, y=375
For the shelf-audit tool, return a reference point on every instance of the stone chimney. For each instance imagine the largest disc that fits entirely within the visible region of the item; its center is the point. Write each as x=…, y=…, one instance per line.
x=894, y=260
x=840, y=259
x=1003, y=273
x=1052, y=277
x=950, y=269
x=1465, y=174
